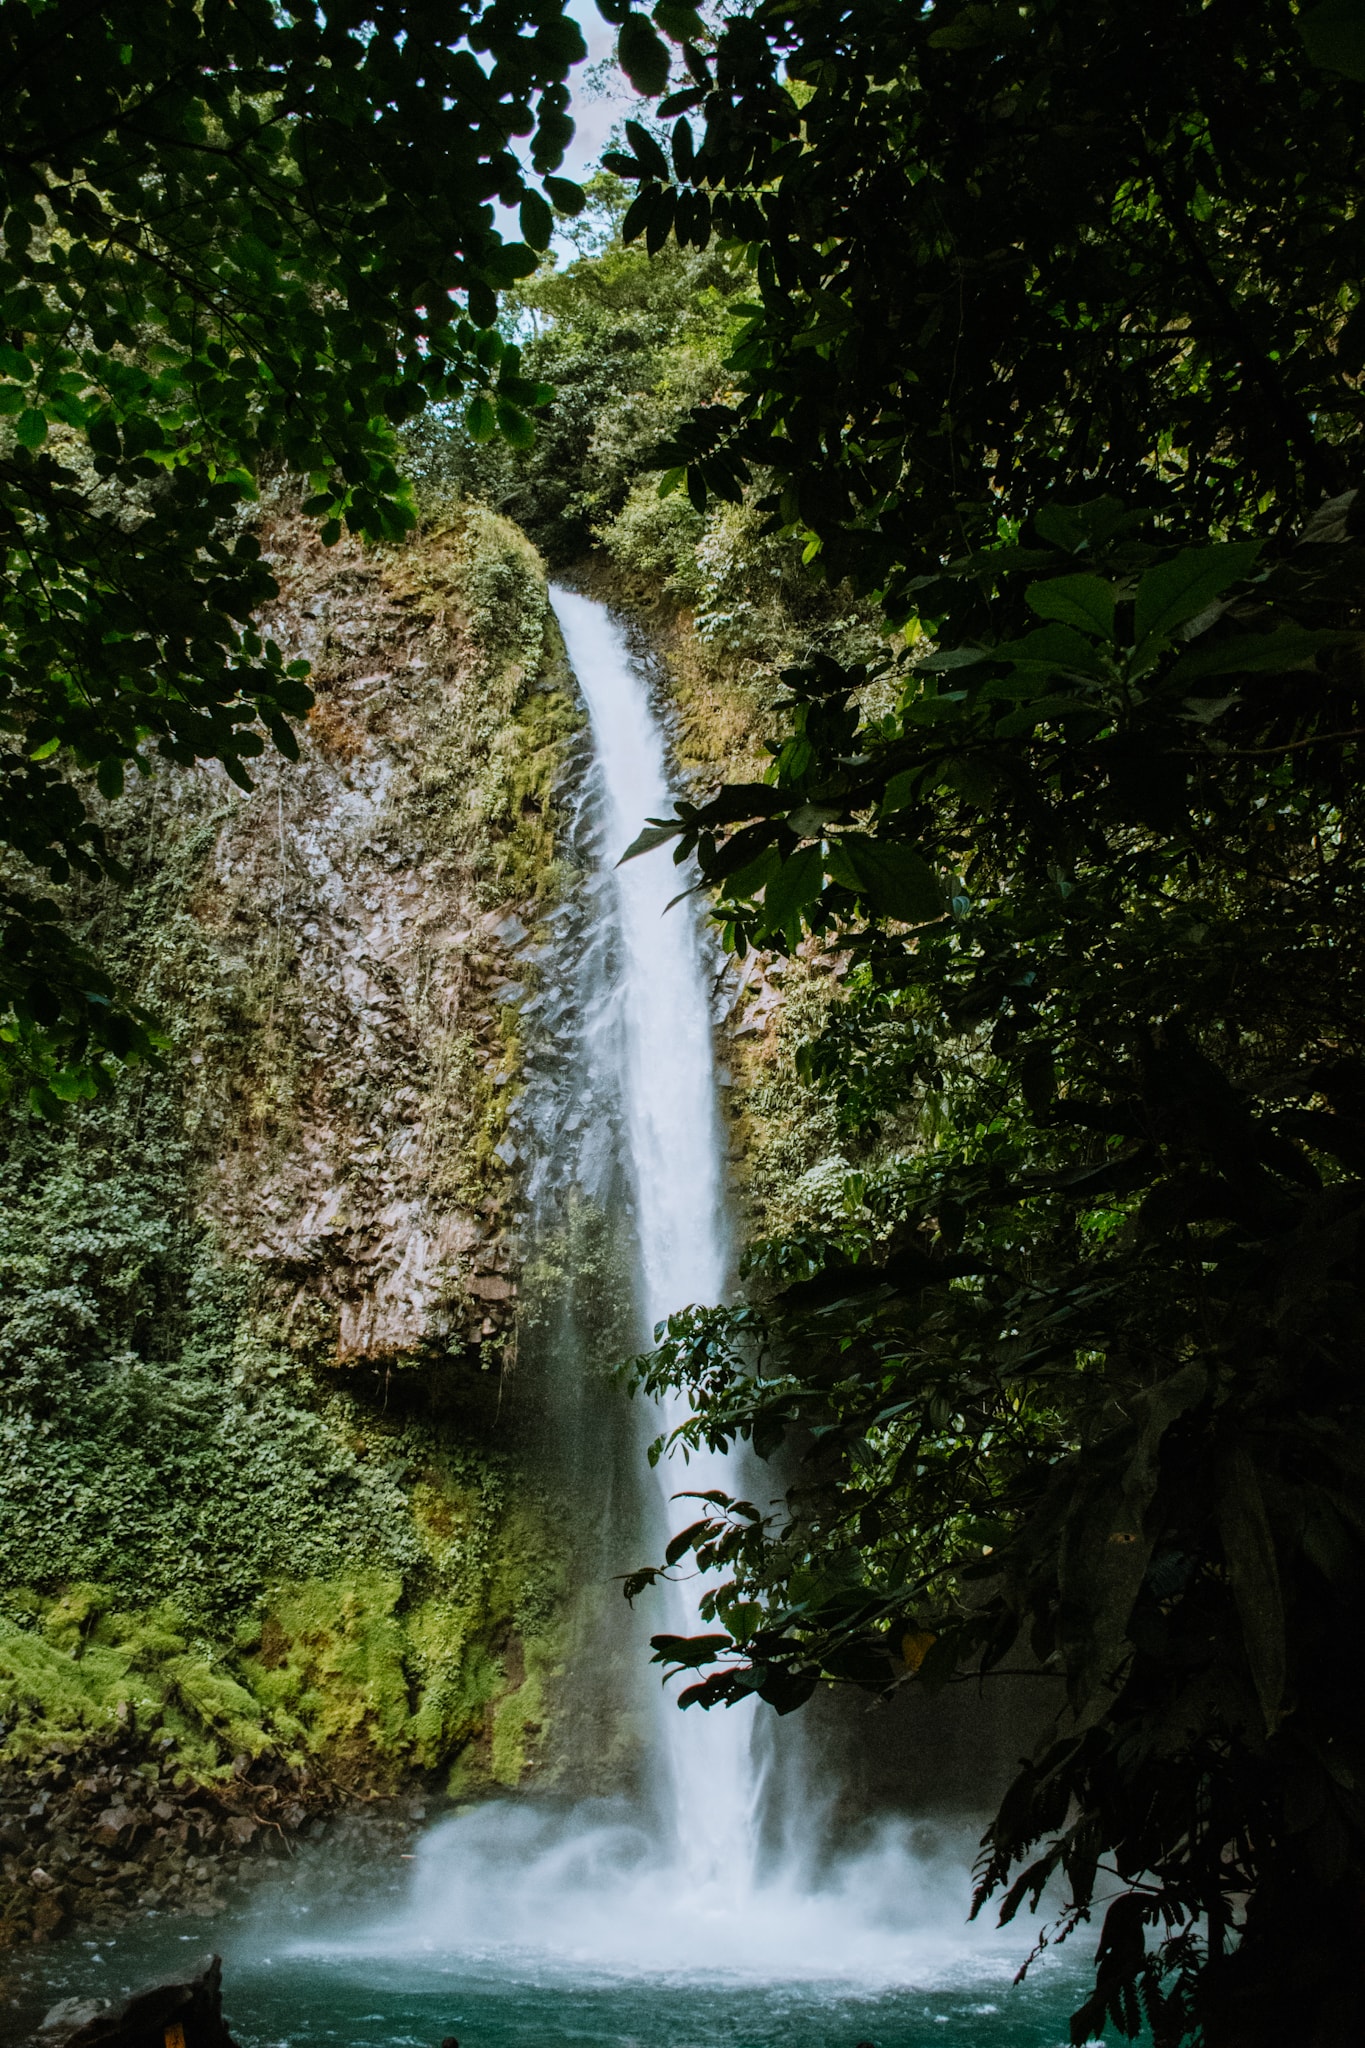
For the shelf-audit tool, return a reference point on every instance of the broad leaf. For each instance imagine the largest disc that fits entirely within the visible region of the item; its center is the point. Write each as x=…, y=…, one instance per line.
x=893, y=880
x=1084, y=601
x=1176, y=591
x=479, y=418
x=537, y=221
x=797, y=883
x=643, y=57
x=656, y=833
x=1288, y=647
x=681, y=22
x=1055, y=647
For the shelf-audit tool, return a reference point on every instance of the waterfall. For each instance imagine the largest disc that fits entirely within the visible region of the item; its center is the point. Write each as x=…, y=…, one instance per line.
x=621, y=1110
x=673, y=1147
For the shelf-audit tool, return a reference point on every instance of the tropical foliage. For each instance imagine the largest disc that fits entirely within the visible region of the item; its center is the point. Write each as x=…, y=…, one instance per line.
x=1075, y=1387
x=235, y=237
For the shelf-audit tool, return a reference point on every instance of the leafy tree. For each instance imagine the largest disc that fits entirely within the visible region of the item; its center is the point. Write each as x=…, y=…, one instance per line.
x=604, y=333
x=1078, y=1387
x=236, y=236
x=1000, y=249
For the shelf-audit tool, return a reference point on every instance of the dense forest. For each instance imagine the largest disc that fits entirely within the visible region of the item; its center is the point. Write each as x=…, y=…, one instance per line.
x=966, y=402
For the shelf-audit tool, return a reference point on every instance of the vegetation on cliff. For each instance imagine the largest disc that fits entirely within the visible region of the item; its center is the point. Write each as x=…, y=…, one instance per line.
x=1072, y=1381
x=259, y=1529
x=236, y=238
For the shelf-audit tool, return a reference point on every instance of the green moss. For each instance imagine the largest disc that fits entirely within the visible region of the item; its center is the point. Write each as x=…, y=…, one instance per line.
x=517, y=1719
x=86, y=1672
x=332, y=1655
x=208, y=1533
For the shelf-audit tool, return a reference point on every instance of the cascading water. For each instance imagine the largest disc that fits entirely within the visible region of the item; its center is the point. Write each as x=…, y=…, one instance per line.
x=673, y=1150
x=623, y=1110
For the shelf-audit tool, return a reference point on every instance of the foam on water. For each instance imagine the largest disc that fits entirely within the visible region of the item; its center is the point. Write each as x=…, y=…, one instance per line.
x=583, y=1895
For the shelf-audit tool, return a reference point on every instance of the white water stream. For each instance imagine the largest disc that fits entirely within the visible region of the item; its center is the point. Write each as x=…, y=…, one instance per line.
x=673, y=1150
x=526, y=1887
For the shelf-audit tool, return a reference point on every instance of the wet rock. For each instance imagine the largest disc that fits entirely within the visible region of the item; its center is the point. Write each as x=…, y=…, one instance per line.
x=191, y=2007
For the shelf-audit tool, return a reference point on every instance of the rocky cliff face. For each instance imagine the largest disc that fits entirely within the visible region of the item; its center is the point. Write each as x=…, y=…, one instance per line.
x=359, y=1154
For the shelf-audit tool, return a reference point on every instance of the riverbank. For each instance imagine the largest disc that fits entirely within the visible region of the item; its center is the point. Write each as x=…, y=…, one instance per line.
x=94, y=1837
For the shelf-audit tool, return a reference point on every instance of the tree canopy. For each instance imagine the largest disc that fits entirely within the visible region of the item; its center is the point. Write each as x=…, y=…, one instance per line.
x=1057, y=347
x=237, y=237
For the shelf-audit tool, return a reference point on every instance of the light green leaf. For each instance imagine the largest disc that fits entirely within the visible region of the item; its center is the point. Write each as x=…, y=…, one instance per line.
x=75, y=1084
x=480, y=418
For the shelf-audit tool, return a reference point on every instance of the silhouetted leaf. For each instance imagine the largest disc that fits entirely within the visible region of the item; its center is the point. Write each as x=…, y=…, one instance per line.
x=642, y=56
x=893, y=880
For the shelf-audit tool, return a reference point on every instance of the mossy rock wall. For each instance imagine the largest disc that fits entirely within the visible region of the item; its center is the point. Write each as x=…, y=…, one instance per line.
x=258, y=1492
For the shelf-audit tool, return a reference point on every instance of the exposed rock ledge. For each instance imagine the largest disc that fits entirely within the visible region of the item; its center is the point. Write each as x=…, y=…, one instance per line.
x=366, y=899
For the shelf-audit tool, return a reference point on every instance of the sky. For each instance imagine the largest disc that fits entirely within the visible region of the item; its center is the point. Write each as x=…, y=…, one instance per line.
x=596, y=109
x=594, y=116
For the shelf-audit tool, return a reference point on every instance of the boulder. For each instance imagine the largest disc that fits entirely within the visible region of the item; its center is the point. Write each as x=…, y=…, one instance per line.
x=185, y=2014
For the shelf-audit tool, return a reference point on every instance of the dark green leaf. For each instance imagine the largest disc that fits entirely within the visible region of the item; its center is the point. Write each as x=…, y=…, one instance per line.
x=1176, y=591
x=1249, y=1547
x=1334, y=36
x=797, y=883
x=1274, y=653
x=893, y=880
x=642, y=56
x=651, y=836
x=537, y=221
x=1084, y=601
x=565, y=196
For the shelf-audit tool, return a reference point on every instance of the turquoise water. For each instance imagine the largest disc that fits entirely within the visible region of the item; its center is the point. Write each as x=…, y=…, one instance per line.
x=286, y=1988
